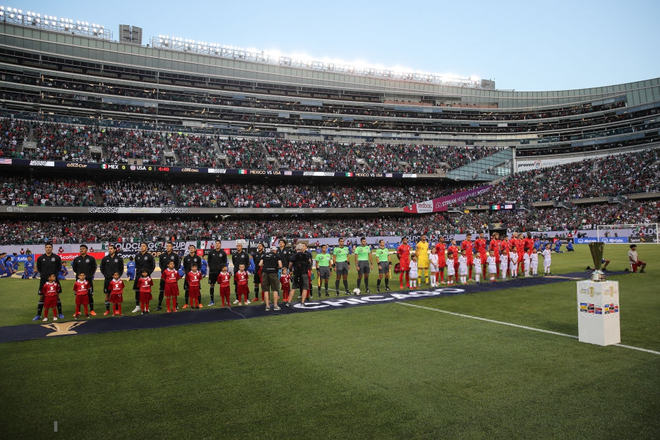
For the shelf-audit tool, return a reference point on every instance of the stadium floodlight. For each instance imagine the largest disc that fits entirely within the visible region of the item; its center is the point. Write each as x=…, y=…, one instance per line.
x=306, y=62
x=52, y=23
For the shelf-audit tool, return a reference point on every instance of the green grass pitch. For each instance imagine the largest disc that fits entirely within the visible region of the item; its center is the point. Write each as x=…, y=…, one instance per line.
x=382, y=371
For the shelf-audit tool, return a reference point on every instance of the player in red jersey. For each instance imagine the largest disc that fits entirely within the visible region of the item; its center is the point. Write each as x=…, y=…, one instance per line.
x=518, y=244
x=194, y=278
x=242, y=289
x=529, y=243
x=223, y=280
x=521, y=252
x=145, y=283
x=480, y=246
x=116, y=288
x=454, y=250
x=494, y=247
x=505, y=245
x=81, y=288
x=403, y=252
x=441, y=250
x=172, y=277
x=50, y=293
x=466, y=245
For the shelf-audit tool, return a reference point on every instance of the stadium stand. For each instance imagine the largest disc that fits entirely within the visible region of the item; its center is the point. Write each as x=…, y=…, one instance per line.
x=619, y=175
x=46, y=192
x=576, y=218
x=395, y=143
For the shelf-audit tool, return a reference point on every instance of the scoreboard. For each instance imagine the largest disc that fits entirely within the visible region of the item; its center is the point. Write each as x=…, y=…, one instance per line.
x=503, y=207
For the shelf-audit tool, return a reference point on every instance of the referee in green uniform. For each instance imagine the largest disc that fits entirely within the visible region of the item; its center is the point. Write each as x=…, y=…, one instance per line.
x=363, y=263
x=383, y=257
x=323, y=260
x=340, y=261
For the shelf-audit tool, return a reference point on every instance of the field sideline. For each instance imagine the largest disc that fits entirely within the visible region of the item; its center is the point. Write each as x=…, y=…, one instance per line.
x=384, y=371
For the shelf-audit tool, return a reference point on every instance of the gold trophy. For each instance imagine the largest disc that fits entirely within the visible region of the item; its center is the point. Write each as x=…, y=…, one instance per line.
x=596, y=250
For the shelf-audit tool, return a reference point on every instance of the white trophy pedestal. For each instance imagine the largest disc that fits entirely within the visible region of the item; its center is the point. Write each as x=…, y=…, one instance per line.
x=598, y=312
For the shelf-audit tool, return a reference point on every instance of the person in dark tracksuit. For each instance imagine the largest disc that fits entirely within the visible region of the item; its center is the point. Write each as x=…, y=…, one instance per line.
x=110, y=264
x=217, y=259
x=85, y=263
x=257, y=257
x=143, y=261
x=188, y=261
x=48, y=264
x=238, y=257
x=284, y=254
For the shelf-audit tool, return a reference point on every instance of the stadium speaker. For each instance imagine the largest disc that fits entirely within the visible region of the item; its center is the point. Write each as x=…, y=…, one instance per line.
x=136, y=35
x=130, y=34
x=124, y=33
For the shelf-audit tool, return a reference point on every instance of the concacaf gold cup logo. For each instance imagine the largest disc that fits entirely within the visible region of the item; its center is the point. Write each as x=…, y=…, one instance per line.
x=63, y=328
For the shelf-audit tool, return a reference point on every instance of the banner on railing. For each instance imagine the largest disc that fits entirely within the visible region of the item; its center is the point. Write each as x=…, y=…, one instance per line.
x=440, y=204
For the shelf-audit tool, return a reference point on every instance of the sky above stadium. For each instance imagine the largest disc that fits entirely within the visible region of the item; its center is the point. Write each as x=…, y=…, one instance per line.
x=522, y=45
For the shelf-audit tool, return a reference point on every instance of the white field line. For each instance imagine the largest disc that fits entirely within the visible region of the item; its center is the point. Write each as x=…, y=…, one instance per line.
x=518, y=326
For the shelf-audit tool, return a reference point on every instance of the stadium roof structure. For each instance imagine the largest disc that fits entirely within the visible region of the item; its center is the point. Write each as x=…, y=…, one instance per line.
x=53, y=23
x=306, y=62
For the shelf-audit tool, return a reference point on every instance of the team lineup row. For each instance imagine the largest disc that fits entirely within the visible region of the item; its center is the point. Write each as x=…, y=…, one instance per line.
x=428, y=263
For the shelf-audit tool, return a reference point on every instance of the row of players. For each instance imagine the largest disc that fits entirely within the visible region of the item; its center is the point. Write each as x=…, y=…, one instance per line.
x=270, y=274
x=9, y=265
x=497, y=258
x=501, y=258
x=432, y=262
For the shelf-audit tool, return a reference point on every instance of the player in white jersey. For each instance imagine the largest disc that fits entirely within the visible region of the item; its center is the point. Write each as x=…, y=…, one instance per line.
x=526, y=263
x=504, y=264
x=463, y=267
x=433, y=266
x=451, y=269
x=492, y=266
x=534, y=262
x=477, y=269
x=513, y=262
x=412, y=273
x=547, y=259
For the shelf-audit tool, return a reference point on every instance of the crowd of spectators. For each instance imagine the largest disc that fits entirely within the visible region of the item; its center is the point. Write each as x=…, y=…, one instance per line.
x=66, y=230
x=197, y=195
x=68, y=142
x=121, y=145
x=135, y=193
x=252, y=195
x=612, y=176
x=345, y=115
x=410, y=158
x=316, y=156
x=62, y=142
x=244, y=153
x=193, y=150
x=617, y=175
x=46, y=192
x=147, y=193
x=12, y=131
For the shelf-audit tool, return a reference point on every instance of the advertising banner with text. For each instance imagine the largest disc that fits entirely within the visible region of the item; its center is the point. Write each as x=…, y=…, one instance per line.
x=440, y=204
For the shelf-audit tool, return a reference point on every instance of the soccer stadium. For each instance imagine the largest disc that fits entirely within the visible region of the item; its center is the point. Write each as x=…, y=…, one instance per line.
x=154, y=147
